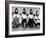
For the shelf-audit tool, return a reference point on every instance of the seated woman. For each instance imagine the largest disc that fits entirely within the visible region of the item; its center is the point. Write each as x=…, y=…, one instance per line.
x=24, y=18
x=31, y=21
x=36, y=19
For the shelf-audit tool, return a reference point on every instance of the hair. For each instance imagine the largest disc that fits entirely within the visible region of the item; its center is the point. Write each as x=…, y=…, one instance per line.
x=24, y=11
x=20, y=13
x=36, y=11
x=33, y=14
x=31, y=11
x=15, y=11
x=27, y=14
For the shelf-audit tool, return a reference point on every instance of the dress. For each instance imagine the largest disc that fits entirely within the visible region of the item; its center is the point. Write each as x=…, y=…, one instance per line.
x=24, y=20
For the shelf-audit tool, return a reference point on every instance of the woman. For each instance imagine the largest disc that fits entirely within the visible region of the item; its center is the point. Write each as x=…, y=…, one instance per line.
x=15, y=18
x=24, y=18
x=31, y=21
x=36, y=19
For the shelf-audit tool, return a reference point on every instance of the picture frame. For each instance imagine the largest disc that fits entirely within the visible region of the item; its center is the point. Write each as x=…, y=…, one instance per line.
x=22, y=4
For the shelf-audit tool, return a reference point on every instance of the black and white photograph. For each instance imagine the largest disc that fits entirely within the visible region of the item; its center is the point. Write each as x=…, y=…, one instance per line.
x=25, y=18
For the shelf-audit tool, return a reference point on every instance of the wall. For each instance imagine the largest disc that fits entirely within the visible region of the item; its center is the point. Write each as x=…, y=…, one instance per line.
x=2, y=19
